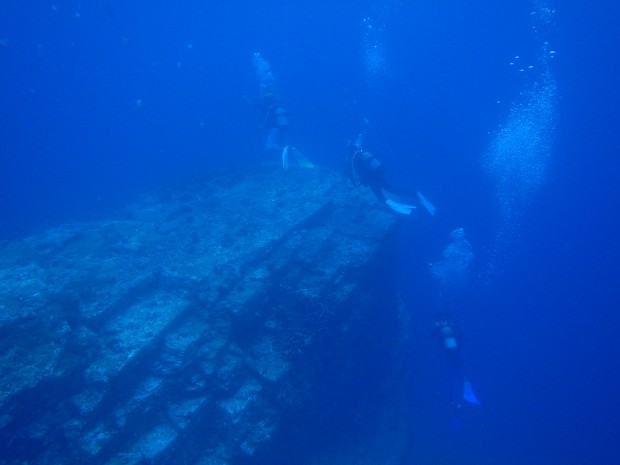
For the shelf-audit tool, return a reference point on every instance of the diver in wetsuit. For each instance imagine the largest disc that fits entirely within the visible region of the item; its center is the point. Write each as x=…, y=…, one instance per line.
x=273, y=118
x=450, y=343
x=459, y=387
x=364, y=168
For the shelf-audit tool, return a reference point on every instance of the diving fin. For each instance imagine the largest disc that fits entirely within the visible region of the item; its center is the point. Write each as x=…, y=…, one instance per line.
x=468, y=393
x=426, y=204
x=301, y=159
x=399, y=207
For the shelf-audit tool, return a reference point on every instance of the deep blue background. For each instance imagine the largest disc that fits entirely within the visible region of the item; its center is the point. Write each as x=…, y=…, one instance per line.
x=541, y=330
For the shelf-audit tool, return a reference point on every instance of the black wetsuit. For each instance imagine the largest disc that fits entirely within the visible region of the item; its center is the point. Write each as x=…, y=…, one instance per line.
x=450, y=343
x=366, y=169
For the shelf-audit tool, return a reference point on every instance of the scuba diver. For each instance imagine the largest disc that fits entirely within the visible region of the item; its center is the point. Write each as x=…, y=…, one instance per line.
x=450, y=342
x=366, y=169
x=273, y=116
x=274, y=120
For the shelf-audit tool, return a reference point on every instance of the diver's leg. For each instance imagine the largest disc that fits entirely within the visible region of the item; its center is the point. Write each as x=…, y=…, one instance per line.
x=272, y=143
x=456, y=380
x=388, y=186
x=377, y=189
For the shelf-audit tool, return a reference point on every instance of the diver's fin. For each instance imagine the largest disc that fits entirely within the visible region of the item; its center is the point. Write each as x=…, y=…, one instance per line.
x=426, y=204
x=399, y=207
x=285, y=157
x=301, y=159
x=468, y=393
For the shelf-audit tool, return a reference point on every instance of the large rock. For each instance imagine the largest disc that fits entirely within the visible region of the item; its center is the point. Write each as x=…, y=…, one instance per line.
x=227, y=322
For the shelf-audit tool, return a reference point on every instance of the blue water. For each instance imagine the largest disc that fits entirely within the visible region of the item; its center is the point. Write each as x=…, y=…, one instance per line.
x=103, y=101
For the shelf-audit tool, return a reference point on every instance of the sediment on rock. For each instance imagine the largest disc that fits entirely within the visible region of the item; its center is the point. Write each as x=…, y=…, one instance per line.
x=193, y=326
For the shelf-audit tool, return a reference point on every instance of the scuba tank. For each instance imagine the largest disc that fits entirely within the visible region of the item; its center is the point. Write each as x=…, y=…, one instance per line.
x=370, y=162
x=447, y=335
x=364, y=165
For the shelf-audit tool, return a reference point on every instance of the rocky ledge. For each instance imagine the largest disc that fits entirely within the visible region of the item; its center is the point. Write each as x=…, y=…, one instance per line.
x=236, y=320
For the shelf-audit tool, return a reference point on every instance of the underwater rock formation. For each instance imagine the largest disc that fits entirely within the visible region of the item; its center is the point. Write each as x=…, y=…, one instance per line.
x=199, y=325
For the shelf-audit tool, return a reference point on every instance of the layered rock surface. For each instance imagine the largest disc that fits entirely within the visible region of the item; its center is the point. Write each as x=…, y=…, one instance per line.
x=197, y=325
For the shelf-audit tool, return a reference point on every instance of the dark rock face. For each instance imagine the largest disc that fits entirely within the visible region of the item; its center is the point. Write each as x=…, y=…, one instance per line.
x=233, y=322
